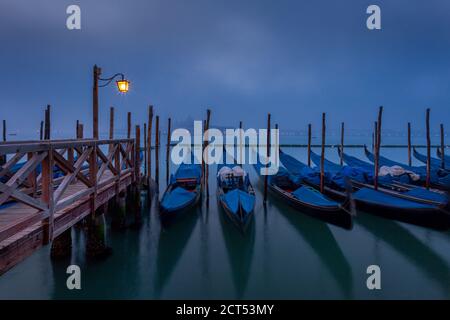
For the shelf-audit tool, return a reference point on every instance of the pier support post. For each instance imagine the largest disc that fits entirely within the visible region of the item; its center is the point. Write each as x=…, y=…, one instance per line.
x=119, y=212
x=133, y=204
x=62, y=245
x=96, y=234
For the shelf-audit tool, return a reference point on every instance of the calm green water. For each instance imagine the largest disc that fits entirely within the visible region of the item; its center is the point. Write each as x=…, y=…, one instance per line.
x=284, y=254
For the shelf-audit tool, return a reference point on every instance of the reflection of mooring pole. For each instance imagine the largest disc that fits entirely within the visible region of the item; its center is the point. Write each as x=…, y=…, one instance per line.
x=266, y=177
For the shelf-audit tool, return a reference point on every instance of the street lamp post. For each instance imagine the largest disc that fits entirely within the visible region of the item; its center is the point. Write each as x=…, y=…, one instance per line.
x=122, y=86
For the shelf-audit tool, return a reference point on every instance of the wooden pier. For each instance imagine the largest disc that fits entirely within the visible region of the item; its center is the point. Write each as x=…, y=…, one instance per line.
x=58, y=183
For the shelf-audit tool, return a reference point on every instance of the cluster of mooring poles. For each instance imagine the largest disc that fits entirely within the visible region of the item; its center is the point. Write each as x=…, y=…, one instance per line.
x=376, y=146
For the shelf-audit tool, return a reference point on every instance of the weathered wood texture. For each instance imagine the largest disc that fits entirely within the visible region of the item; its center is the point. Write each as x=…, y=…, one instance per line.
x=52, y=191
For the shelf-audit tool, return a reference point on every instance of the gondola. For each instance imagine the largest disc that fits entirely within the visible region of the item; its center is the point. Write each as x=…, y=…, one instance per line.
x=446, y=158
x=183, y=191
x=307, y=199
x=435, y=163
x=235, y=194
x=381, y=202
x=363, y=178
x=439, y=178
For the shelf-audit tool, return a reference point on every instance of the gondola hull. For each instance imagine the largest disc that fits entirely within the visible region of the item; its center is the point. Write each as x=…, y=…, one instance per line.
x=390, y=205
x=336, y=215
x=168, y=215
x=240, y=219
x=430, y=217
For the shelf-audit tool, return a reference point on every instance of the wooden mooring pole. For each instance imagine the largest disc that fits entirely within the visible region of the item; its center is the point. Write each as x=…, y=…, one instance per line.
x=208, y=119
x=111, y=123
x=309, y=144
x=374, y=137
x=81, y=131
x=111, y=126
x=157, y=151
x=47, y=123
x=41, y=130
x=96, y=75
x=3, y=158
x=145, y=150
x=266, y=177
x=322, y=156
x=169, y=124
x=409, y=144
x=442, y=146
x=377, y=148
x=241, y=143
x=342, y=144
x=129, y=125
x=427, y=120
x=137, y=159
x=149, y=146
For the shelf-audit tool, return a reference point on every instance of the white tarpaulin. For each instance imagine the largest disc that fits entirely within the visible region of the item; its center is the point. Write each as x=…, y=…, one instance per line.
x=396, y=171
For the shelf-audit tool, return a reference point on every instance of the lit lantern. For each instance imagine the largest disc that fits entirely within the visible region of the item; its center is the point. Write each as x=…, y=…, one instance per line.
x=123, y=85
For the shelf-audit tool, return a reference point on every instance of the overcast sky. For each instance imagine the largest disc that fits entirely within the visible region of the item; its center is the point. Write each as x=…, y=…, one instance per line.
x=242, y=58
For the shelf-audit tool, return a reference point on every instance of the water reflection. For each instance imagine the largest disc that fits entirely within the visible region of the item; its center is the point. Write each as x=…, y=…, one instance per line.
x=172, y=241
x=320, y=238
x=240, y=246
x=406, y=244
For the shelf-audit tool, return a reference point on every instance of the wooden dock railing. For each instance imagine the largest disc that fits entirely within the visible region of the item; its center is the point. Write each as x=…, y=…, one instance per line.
x=56, y=183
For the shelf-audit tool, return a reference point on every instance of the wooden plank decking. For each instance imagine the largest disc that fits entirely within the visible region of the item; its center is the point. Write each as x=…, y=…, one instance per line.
x=27, y=224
